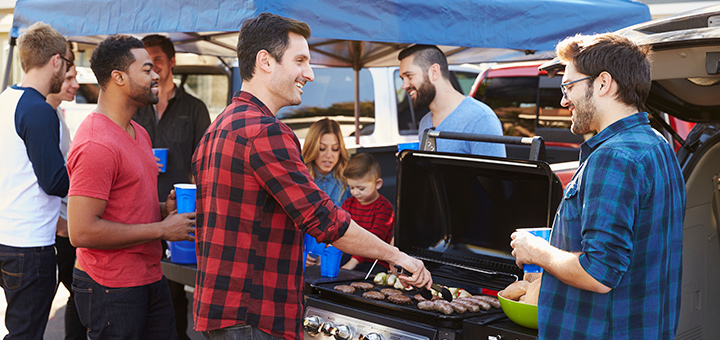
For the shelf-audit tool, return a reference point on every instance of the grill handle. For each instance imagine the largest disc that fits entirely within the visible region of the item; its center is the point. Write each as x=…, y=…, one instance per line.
x=537, y=145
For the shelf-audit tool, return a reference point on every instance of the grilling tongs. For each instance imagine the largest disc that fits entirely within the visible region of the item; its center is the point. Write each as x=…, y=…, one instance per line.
x=424, y=292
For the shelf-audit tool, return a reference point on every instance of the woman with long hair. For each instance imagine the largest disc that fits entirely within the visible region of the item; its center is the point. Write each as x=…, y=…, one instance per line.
x=325, y=156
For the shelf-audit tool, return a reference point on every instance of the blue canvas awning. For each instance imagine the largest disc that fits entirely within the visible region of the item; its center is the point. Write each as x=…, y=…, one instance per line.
x=469, y=31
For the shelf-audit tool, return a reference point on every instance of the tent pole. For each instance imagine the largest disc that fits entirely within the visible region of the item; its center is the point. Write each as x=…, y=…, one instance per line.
x=357, y=106
x=8, y=64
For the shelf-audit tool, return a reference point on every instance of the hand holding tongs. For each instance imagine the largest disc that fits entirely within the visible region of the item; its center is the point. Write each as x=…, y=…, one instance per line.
x=424, y=292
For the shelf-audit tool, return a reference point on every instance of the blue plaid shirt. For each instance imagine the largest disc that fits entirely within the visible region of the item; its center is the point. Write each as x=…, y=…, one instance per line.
x=624, y=211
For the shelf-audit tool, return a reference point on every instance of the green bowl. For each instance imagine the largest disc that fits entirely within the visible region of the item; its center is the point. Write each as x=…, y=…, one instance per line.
x=521, y=313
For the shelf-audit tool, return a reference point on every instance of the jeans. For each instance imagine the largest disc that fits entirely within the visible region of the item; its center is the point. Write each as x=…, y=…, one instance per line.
x=143, y=312
x=74, y=329
x=28, y=278
x=239, y=332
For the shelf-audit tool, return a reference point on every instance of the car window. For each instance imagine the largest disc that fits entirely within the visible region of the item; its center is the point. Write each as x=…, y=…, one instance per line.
x=212, y=89
x=514, y=101
x=332, y=95
x=408, y=116
x=466, y=80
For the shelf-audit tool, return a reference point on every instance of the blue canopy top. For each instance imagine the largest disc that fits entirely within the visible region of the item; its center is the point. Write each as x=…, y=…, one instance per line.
x=202, y=26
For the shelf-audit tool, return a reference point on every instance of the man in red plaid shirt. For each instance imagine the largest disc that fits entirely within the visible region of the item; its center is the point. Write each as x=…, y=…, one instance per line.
x=256, y=198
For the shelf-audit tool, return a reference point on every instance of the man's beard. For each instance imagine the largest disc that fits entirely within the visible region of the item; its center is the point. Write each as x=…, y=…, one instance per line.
x=425, y=94
x=584, y=114
x=56, y=81
x=142, y=94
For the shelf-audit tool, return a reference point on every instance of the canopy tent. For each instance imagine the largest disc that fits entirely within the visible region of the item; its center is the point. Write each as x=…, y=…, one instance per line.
x=345, y=32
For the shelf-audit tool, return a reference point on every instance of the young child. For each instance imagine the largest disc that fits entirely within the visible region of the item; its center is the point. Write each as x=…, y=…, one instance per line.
x=367, y=207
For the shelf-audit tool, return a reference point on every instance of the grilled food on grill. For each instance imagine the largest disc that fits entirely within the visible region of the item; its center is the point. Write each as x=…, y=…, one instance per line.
x=471, y=306
x=426, y=305
x=458, y=307
x=362, y=285
x=400, y=299
x=345, y=289
x=374, y=294
x=492, y=301
x=390, y=291
x=441, y=306
x=444, y=307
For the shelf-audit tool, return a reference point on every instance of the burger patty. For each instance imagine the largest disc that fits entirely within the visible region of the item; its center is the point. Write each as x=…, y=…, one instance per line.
x=362, y=285
x=400, y=299
x=345, y=289
x=390, y=291
x=374, y=294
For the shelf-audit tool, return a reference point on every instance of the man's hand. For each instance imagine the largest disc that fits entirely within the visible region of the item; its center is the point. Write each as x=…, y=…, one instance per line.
x=527, y=248
x=312, y=260
x=170, y=206
x=178, y=227
x=420, y=276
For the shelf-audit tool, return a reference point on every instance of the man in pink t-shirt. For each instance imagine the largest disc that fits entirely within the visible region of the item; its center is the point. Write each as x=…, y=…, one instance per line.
x=114, y=216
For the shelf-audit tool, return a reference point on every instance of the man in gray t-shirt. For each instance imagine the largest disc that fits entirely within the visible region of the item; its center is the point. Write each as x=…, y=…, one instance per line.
x=426, y=78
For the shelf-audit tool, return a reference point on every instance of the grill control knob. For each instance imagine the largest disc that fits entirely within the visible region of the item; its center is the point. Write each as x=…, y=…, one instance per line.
x=328, y=329
x=343, y=332
x=311, y=324
x=374, y=336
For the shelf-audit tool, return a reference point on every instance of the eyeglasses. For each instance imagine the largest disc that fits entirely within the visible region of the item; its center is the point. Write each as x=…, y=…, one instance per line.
x=563, y=85
x=68, y=63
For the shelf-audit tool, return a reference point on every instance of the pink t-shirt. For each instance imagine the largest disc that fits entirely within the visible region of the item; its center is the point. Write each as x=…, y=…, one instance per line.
x=106, y=163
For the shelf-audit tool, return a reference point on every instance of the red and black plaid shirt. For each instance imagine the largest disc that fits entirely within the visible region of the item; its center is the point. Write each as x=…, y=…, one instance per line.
x=255, y=199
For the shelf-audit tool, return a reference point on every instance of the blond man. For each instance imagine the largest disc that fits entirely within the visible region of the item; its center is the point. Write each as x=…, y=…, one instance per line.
x=33, y=179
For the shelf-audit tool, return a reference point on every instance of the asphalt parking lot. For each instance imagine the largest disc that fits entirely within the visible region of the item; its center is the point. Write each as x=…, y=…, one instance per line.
x=55, y=328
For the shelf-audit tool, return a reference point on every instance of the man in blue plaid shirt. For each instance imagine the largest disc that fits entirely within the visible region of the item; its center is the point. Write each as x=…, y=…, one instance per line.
x=614, y=262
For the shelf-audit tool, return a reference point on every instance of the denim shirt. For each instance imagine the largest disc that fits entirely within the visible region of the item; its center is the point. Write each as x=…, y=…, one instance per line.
x=624, y=210
x=332, y=187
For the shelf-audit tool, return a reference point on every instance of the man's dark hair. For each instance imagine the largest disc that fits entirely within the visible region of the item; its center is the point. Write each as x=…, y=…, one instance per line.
x=426, y=56
x=627, y=63
x=265, y=32
x=113, y=53
x=164, y=42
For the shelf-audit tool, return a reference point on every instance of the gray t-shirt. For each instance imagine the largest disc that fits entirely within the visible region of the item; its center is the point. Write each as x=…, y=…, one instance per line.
x=471, y=116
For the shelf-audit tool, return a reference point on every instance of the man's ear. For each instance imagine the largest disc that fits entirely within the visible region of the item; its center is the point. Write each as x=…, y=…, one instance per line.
x=118, y=77
x=607, y=84
x=263, y=61
x=434, y=72
x=172, y=62
x=378, y=183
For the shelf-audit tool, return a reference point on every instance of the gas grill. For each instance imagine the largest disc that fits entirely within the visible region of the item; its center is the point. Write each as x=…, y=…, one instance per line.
x=455, y=213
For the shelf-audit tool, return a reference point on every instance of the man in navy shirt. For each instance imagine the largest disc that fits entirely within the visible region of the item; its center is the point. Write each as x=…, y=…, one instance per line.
x=613, y=264
x=33, y=179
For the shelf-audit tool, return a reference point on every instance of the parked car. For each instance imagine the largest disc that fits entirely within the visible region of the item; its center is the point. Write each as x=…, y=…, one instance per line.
x=685, y=85
x=527, y=102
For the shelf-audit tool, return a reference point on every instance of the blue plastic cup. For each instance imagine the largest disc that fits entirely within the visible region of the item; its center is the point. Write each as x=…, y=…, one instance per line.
x=161, y=153
x=185, y=196
x=540, y=232
x=330, y=262
x=312, y=246
x=184, y=251
x=409, y=146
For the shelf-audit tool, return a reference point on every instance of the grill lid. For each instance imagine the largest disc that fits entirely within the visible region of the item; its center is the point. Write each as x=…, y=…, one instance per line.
x=456, y=212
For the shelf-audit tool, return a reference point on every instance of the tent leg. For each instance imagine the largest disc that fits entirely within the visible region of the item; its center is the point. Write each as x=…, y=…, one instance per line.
x=357, y=106
x=8, y=64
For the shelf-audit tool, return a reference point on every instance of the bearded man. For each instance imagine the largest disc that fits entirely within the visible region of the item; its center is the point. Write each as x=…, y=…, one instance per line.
x=33, y=179
x=115, y=218
x=426, y=78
